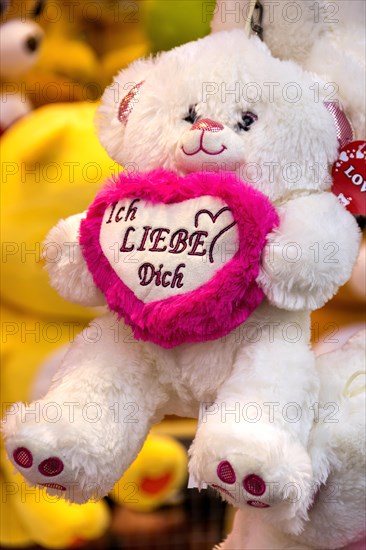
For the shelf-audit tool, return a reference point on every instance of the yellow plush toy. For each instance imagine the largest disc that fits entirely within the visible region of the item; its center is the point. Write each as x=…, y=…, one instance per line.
x=52, y=162
x=20, y=40
x=29, y=516
x=67, y=70
x=155, y=477
x=41, y=142
x=85, y=44
x=115, y=31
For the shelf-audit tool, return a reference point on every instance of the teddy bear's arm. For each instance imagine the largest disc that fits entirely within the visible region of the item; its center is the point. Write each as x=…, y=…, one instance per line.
x=311, y=254
x=68, y=272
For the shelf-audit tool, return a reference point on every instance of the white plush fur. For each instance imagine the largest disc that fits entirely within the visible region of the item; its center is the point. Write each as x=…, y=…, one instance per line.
x=337, y=516
x=309, y=259
x=266, y=362
x=68, y=273
x=326, y=37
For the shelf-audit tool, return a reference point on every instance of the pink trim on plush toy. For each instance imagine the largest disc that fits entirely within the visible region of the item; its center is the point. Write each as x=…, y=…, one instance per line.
x=213, y=309
x=342, y=123
x=359, y=545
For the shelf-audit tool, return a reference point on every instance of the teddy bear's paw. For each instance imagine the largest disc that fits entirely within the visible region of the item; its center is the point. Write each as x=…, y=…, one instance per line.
x=45, y=469
x=57, y=457
x=50, y=469
x=264, y=468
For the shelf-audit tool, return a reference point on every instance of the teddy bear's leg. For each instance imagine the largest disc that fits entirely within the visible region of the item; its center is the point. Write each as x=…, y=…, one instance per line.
x=337, y=447
x=251, y=443
x=79, y=439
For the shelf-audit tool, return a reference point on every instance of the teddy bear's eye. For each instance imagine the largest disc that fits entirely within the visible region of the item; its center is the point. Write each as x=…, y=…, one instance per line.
x=247, y=120
x=192, y=115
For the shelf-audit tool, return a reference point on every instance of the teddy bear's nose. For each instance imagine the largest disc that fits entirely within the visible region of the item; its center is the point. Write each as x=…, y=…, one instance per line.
x=207, y=125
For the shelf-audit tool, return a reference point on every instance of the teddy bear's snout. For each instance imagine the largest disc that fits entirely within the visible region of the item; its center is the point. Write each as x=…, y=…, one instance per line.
x=202, y=140
x=208, y=145
x=205, y=137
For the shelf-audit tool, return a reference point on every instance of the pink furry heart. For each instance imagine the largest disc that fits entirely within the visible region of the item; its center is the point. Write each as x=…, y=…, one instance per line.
x=178, y=257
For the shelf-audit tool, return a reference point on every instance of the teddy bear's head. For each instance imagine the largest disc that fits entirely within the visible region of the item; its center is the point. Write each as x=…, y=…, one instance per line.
x=222, y=103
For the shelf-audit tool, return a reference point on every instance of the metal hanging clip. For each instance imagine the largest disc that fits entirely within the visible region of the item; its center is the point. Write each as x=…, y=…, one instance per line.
x=257, y=20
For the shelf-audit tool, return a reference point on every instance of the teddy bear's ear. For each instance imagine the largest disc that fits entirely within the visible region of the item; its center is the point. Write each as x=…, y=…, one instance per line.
x=345, y=133
x=118, y=102
x=326, y=92
x=128, y=102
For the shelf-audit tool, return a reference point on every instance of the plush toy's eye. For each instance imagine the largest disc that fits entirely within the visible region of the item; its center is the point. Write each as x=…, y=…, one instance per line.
x=4, y=4
x=38, y=8
x=192, y=115
x=128, y=103
x=246, y=121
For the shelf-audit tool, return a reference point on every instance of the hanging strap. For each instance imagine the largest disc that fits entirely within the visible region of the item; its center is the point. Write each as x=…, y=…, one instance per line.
x=248, y=24
x=255, y=18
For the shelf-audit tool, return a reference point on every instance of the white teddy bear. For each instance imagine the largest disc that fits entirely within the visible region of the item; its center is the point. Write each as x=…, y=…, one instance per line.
x=256, y=116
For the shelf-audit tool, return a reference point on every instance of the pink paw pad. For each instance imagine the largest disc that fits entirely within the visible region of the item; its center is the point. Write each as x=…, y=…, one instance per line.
x=254, y=485
x=51, y=466
x=225, y=472
x=23, y=457
x=258, y=504
x=56, y=486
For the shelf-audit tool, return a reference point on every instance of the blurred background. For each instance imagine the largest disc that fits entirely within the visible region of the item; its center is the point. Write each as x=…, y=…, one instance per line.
x=56, y=57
